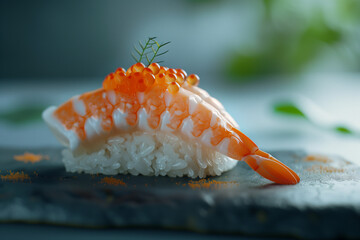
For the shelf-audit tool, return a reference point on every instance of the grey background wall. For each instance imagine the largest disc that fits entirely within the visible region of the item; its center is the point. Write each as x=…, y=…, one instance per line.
x=88, y=38
x=81, y=39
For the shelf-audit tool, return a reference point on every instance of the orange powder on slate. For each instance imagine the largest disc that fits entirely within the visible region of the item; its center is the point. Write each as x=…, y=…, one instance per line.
x=325, y=169
x=112, y=181
x=30, y=157
x=317, y=158
x=207, y=184
x=15, y=177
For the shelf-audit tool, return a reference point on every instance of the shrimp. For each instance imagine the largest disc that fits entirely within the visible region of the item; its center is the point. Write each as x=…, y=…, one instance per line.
x=156, y=98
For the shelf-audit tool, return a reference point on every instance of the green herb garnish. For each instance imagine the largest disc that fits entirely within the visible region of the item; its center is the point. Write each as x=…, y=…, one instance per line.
x=150, y=50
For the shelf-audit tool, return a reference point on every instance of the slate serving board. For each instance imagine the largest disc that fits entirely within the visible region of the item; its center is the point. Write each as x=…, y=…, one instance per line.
x=326, y=203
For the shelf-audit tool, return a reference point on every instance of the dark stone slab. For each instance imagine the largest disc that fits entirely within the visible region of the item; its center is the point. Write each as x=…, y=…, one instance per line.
x=325, y=204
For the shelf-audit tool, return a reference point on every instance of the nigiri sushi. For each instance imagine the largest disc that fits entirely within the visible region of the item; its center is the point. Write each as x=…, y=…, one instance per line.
x=153, y=120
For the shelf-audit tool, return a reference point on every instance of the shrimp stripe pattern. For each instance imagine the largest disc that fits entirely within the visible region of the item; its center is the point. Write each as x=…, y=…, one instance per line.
x=161, y=99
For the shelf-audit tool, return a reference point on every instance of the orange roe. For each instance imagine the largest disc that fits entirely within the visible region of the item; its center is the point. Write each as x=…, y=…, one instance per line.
x=170, y=77
x=155, y=68
x=182, y=71
x=112, y=181
x=171, y=70
x=180, y=78
x=193, y=80
x=120, y=70
x=162, y=69
x=15, y=177
x=128, y=72
x=137, y=67
x=149, y=79
x=108, y=82
x=30, y=157
x=118, y=80
x=139, y=78
x=147, y=70
x=173, y=87
x=160, y=78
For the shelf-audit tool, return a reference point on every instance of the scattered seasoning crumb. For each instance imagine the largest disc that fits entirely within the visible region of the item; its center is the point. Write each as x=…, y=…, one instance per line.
x=30, y=157
x=318, y=158
x=15, y=177
x=325, y=169
x=207, y=184
x=112, y=181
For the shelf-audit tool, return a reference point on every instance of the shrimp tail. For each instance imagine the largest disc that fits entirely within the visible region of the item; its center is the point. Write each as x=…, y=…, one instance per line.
x=271, y=168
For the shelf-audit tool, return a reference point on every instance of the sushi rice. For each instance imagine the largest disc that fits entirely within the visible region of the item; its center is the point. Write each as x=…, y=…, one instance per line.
x=149, y=154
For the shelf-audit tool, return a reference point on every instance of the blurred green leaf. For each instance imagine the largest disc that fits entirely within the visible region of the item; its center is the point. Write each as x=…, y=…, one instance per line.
x=288, y=108
x=291, y=109
x=22, y=115
x=287, y=48
x=343, y=129
x=245, y=65
x=320, y=30
x=348, y=10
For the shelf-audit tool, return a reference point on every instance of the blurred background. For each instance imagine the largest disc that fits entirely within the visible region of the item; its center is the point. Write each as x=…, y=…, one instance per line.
x=287, y=71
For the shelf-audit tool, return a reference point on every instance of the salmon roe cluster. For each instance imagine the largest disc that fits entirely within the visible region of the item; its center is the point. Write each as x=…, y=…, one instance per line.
x=139, y=78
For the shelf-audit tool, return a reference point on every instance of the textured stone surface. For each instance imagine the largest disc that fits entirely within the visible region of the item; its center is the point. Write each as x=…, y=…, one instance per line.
x=325, y=204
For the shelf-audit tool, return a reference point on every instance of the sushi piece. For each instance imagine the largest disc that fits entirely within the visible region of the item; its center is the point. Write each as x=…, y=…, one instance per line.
x=155, y=121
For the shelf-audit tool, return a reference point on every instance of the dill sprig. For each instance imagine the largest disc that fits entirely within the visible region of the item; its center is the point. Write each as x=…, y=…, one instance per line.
x=150, y=50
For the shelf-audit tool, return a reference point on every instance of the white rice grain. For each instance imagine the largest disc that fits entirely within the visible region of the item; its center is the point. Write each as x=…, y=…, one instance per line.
x=150, y=154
